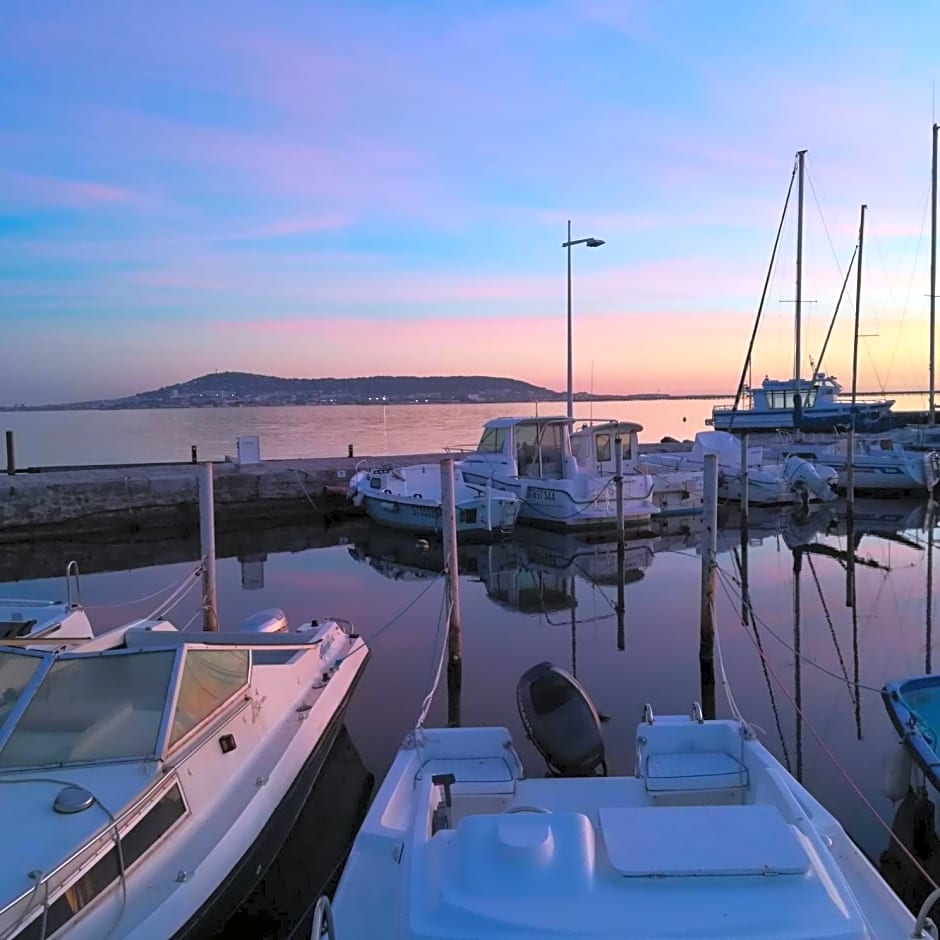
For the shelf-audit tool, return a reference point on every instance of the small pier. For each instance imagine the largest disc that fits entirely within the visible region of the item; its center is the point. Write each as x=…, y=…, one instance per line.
x=129, y=498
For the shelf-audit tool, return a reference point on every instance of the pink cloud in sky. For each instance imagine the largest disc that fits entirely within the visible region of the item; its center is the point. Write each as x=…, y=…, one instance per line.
x=28, y=190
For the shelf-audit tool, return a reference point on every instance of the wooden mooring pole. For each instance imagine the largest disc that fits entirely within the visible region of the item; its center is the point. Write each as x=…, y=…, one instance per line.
x=210, y=620
x=11, y=455
x=452, y=576
x=706, y=650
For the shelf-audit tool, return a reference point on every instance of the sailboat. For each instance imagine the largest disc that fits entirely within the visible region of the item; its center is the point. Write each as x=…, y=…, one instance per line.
x=796, y=404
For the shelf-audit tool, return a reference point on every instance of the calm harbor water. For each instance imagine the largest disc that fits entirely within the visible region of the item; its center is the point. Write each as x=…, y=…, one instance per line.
x=547, y=596
x=67, y=438
x=540, y=596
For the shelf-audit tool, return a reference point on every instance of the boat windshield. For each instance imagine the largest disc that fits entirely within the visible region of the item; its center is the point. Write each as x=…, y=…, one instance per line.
x=16, y=669
x=86, y=707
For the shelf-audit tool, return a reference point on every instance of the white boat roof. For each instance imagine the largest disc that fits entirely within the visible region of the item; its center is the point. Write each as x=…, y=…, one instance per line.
x=604, y=424
x=531, y=419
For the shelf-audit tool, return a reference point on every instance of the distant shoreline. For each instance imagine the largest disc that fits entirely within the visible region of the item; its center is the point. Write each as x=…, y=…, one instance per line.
x=19, y=409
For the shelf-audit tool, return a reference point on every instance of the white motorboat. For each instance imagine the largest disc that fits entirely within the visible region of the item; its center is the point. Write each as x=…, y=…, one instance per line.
x=148, y=777
x=880, y=464
x=410, y=498
x=532, y=458
x=23, y=619
x=676, y=492
x=711, y=837
x=768, y=483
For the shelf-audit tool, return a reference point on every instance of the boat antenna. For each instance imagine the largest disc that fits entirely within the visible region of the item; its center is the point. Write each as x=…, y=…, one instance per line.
x=763, y=297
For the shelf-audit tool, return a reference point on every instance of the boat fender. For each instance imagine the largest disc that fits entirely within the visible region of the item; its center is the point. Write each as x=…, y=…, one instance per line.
x=897, y=772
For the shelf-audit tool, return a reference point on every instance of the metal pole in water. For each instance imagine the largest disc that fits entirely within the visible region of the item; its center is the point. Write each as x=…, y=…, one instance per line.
x=618, y=484
x=210, y=620
x=706, y=650
x=11, y=457
x=451, y=573
x=744, y=481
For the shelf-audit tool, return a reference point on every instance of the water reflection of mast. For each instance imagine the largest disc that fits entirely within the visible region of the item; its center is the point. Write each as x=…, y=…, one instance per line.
x=748, y=619
x=850, y=601
x=798, y=672
x=621, y=597
x=574, y=630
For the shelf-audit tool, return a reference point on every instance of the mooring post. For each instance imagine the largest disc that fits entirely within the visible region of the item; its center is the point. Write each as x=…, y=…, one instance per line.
x=744, y=481
x=11, y=457
x=618, y=484
x=210, y=608
x=349, y=447
x=706, y=650
x=193, y=454
x=451, y=573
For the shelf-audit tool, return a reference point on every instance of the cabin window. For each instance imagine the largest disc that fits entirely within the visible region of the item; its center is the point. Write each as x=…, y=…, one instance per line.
x=375, y=483
x=603, y=448
x=492, y=441
x=468, y=516
x=106, y=871
x=552, y=451
x=92, y=708
x=527, y=450
x=210, y=678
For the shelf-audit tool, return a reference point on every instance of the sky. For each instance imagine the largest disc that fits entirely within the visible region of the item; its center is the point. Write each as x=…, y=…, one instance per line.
x=314, y=189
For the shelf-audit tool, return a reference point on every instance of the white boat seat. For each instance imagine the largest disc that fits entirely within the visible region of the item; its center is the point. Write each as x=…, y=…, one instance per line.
x=484, y=774
x=693, y=770
x=690, y=841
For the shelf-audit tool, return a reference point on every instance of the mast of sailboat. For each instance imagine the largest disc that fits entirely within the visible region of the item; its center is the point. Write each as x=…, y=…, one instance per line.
x=850, y=469
x=931, y=418
x=760, y=307
x=801, y=159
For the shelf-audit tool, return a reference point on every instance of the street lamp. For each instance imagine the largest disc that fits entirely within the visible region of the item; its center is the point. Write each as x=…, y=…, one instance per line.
x=591, y=243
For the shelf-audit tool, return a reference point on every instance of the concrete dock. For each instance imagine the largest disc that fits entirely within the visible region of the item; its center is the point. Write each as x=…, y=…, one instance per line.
x=130, y=498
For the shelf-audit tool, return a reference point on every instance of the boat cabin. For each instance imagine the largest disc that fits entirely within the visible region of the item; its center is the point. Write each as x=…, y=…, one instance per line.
x=534, y=448
x=593, y=445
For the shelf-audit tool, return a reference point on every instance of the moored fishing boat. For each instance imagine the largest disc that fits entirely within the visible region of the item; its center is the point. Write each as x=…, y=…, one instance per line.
x=676, y=492
x=409, y=498
x=533, y=458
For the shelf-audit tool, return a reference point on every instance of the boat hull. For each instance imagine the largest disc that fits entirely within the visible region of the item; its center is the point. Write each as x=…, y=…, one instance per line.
x=556, y=507
x=869, y=417
x=483, y=517
x=252, y=866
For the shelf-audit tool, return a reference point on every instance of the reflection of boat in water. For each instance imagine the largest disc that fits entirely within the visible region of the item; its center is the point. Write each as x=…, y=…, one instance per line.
x=595, y=560
x=402, y=557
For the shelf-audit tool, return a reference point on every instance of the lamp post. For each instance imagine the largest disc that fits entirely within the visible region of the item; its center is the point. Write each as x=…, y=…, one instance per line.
x=591, y=243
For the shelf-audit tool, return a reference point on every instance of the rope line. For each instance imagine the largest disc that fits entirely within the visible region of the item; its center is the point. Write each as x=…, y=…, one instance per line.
x=139, y=600
x=727, y=579
x=854, y=786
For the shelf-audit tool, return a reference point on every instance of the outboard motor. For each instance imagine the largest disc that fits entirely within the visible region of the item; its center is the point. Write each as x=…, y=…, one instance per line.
x=561, y=721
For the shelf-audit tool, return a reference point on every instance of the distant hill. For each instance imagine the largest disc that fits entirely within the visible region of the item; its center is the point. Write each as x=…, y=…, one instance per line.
x=233, y=389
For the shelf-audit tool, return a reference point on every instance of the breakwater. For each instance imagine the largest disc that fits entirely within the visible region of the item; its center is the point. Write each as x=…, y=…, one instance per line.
x=130, y=498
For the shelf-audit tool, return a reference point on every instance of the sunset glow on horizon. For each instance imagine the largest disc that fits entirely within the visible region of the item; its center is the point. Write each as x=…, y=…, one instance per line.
x=306, y=190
